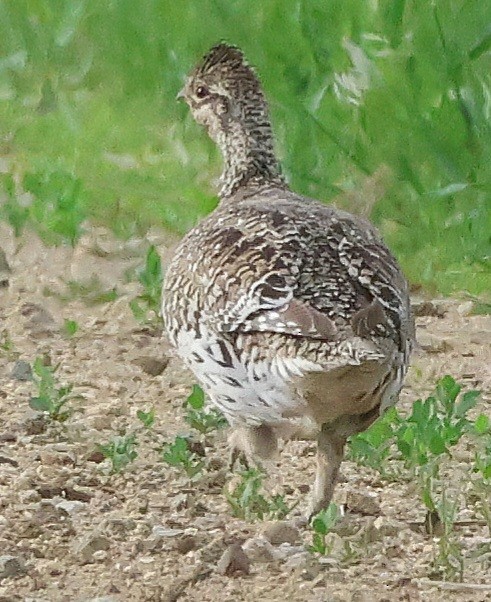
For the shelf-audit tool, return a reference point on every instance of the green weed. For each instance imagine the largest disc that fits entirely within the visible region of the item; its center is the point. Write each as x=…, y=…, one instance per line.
x=146, y=307
x=6, y=344
x=12, y=210
x=52, y=203
x=422, y=441
x=448, y=561
x=482, y=467
x=374, y=447
x=249, y=503
x=204, y=421
x=50, y=398
x=482, y=462
x=321, y=525
x=121, y=451
x=91, y=292
x=179, y=455
x=146, y=418
x=70, y=327
x=435, y=424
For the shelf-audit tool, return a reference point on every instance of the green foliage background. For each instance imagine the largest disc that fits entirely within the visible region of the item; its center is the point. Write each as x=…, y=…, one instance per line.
x=391, y=97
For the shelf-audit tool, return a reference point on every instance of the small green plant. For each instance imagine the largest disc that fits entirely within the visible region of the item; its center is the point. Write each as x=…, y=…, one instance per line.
x=248, y=503
x=421, y=439
x=146, y=418
x=482, y=460
x=448, y=560
x=70, y=327
x=425, y=437
x=12, y=210
x=121, y=451
x=54, y=208
x=322, y=524
x=57, y=208
x=373, y=447
x=204, y=421
x=146, y=307
x=91, y=292
x=6, y=344
x=179, y=455
x=50, y=398
x=435, y=424
x=482, y=467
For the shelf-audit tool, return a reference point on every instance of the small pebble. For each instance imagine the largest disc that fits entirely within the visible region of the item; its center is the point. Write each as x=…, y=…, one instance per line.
x=86, y=546
x=281, y=532
x=11, y=566
x=71, y=507
x=259, y=549
x=152, y=365
x=234, y=561
x=21, y=371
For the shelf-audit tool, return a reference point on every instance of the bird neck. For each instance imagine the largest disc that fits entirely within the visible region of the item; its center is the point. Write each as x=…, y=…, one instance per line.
x=248, y=153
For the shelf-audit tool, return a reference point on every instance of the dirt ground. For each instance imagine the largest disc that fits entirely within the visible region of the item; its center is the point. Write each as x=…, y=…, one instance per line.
x=72, y=531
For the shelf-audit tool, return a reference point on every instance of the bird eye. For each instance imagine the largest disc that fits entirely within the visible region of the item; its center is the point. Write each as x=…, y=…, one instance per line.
x=202, y=92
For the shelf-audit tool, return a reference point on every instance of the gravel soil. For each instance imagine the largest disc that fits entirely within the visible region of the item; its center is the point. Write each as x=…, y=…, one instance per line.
x=70, y=530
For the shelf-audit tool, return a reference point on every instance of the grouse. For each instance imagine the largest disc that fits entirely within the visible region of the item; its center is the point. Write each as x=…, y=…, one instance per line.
x=293, y=315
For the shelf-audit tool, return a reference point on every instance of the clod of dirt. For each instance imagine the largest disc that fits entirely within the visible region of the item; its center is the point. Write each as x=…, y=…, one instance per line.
x=186, y=544
x=152, y=365
x=40, y=322
x=234, y=561
x=363, y=596
x=428, y=308
x=383, y=527
x=281, y=532
x=8, y=437
x=95, y=456
x=433, y=344
x=304, y=565
x=362, y=503
x=48, y=514
x=7, y=460
x=85, y=547
x=11, y=566
x=21, y=371
x=51, y=491
x=159, y=536
x=259, y=549
x=35, y=423
x=466, y=308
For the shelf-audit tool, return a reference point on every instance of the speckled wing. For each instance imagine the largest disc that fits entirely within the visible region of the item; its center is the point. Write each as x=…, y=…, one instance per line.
x=301, y=268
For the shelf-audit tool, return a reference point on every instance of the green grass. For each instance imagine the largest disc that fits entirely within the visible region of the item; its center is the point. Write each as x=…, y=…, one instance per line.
x=392, y=95
x=50, y=397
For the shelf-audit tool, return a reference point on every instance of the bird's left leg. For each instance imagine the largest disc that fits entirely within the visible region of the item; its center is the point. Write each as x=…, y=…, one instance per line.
x=253, y=444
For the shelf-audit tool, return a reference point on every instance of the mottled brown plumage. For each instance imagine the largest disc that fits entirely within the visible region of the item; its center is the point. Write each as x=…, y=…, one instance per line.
x=293, y=315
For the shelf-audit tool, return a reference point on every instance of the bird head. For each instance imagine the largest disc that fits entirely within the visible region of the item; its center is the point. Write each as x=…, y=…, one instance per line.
x=223, y=91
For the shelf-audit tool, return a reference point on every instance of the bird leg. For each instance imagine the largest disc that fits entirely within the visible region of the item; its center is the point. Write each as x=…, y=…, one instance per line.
x=254, y=443
x=330, y=451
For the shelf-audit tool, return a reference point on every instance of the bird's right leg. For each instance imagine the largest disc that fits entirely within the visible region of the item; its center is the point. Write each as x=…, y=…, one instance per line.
x=330, y=451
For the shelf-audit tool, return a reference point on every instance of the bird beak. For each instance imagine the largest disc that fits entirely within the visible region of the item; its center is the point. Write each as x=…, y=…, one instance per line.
x=181, y=95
